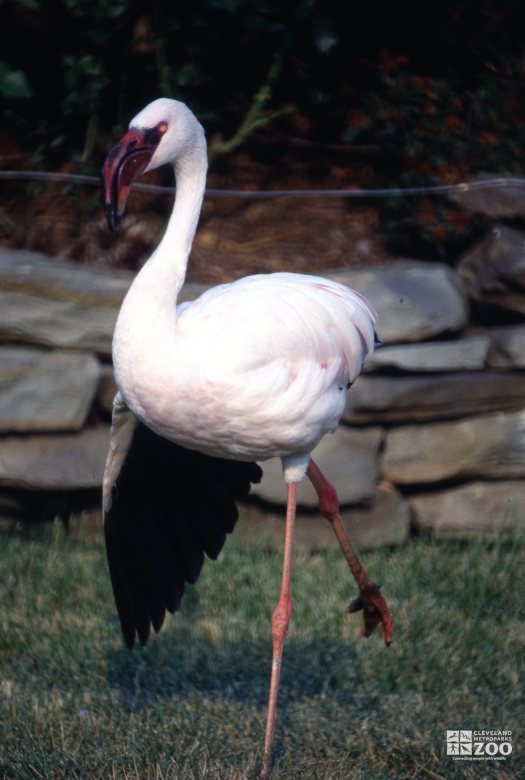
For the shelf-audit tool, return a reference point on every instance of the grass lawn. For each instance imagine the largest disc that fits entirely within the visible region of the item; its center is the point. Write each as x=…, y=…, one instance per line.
x=75, y=704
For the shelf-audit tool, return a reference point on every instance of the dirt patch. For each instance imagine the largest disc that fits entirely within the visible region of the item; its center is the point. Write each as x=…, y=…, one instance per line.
x=235, y=237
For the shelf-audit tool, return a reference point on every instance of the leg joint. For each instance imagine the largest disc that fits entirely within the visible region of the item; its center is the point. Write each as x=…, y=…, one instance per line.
x=281, y=619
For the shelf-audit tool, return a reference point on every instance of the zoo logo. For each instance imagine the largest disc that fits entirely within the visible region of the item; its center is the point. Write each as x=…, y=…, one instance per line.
x=467, y=745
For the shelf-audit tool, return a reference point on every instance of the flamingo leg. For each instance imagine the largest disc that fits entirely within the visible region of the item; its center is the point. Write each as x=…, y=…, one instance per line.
x=279, y=623
x=370, y=598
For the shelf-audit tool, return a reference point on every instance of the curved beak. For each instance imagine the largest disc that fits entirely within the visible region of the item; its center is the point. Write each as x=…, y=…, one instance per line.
x=127, y=160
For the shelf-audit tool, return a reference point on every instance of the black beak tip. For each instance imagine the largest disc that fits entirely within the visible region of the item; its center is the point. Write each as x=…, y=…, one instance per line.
x=112, y=218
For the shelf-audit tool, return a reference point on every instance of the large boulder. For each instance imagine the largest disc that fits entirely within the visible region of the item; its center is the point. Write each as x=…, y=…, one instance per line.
x=34, y=273
x=375, y=398
x=56, y=303
x=507, y=347
x=490, y=447
x=414, y=300
x=491, y=509
x=347, y=457
x=383, y=522
x=496, y=196
x=464, y=354
x=68, y=461
x=45, y=391
x=494, y=270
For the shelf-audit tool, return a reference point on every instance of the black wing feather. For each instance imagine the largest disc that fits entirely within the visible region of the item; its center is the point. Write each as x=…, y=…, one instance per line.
x=168, y=506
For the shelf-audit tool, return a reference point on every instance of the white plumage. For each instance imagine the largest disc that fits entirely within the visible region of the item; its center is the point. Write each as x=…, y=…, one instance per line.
x=251, y=370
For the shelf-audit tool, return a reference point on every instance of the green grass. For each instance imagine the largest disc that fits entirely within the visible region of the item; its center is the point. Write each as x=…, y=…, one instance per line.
x=75, y=704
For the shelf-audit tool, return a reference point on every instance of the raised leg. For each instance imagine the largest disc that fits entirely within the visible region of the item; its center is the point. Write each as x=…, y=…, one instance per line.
x=370, y=599
x=279, y=623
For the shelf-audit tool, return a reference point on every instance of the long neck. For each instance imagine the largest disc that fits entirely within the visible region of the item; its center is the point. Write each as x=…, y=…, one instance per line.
x=169, y=261
x=148, y=315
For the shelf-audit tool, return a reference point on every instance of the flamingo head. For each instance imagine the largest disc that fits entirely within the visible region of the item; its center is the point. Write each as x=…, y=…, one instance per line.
x=161, y=133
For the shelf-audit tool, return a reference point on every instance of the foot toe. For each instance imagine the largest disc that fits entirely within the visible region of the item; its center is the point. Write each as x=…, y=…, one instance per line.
x=375, y=611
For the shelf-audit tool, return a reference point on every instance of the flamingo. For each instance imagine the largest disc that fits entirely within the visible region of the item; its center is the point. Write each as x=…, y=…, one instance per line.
x=250, y=370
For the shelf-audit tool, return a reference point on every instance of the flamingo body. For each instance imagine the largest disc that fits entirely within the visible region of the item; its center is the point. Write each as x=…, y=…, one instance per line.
x=255, y=369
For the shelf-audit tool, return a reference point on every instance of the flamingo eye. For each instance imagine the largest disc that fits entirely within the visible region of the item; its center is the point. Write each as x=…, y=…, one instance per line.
x=162, y=127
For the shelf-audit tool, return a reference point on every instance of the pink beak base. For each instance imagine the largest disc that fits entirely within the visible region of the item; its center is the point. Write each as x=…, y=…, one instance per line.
x=127, y=160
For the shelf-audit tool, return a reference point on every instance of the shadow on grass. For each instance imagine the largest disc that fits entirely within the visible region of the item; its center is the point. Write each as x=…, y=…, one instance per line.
x=227, y=671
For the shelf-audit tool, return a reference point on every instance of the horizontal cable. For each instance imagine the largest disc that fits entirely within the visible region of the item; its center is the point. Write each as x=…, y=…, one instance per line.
x=510, y=183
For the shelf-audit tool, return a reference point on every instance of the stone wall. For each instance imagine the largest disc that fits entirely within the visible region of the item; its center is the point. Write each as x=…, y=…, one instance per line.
x=433, y=436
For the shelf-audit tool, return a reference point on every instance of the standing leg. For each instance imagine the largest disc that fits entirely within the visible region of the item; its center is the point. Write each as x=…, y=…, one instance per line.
x=279, y=623
x=370, y=598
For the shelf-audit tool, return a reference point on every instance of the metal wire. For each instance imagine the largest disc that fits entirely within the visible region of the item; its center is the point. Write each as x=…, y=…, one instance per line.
x=507, y=183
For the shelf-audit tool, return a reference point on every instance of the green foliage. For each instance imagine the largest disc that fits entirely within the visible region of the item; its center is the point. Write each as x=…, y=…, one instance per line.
x=13, y=83
x=32, y=5
x=103, y=60
x=84, y=78
x=75, y=704
x=437, y=107
x=104, y=10
x=434, y=131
